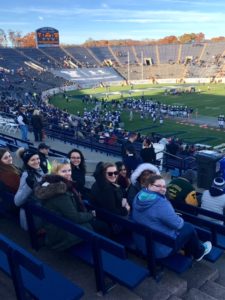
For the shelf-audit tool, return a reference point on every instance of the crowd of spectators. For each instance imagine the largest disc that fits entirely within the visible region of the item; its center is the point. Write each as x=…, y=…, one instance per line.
x=142, y=196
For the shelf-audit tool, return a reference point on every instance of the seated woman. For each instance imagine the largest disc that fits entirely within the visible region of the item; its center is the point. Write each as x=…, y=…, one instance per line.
x=122, y=180
x=138, y=178
x=78, y=169
x=58, y=193
x=31, y=175
x=107, y=194
x=9, y=173
x=151, y=208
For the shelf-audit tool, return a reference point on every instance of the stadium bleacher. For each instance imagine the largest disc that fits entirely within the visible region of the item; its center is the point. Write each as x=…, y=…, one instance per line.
x=193, y=60
x=169, y=61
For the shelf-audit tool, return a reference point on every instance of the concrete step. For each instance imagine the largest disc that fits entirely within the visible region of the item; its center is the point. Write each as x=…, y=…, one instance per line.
x=195, y=294
x=214, y=289
x=170, y=285
x=221, y=280
x=173, y=297
x=199, y=274
x=7, y=289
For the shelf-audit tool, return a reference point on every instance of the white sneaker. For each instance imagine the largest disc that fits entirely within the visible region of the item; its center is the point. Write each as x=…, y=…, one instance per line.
x=208, y=248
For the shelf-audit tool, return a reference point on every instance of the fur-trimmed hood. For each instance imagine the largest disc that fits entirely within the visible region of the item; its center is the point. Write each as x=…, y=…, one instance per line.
x=141, y=168
x=44, y=192
x=50, y=186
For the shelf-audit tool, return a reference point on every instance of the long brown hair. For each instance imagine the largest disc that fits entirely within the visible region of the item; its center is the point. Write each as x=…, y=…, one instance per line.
x=7, y=168
x=100, y=172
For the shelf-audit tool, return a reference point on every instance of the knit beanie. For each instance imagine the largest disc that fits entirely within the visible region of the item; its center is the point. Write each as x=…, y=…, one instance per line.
x=27, y=154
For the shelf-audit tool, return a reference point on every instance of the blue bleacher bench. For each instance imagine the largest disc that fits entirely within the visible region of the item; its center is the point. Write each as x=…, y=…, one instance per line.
x=32, y=277
x=106, y=256
x=194, y=215
x=176, y=262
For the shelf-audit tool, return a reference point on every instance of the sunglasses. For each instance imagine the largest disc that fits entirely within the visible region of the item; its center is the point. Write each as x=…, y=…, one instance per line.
x=62, y=160
x=110, y=174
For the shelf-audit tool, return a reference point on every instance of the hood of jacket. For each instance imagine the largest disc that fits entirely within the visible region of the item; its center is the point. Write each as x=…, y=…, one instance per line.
x=141, y=168
x=50, y=186
x=146, y=199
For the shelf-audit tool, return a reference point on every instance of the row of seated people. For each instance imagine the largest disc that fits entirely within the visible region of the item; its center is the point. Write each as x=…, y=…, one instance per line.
x=181, y=190
x=149, y=206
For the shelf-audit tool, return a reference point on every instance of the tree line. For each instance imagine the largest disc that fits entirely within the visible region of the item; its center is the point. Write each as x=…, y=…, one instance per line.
x=17, y=39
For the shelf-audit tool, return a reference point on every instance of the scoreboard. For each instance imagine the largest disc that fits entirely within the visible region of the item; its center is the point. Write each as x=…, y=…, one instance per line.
x=47, y=37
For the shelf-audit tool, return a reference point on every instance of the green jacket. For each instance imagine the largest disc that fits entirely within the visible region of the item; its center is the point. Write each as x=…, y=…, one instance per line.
x=181, y=190
x=57, y=198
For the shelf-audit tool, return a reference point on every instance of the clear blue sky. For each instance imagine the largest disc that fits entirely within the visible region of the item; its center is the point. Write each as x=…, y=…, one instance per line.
x=79, y=20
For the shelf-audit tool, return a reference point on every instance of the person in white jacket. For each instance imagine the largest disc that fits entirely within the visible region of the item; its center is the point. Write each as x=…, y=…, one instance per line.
x=214, y=198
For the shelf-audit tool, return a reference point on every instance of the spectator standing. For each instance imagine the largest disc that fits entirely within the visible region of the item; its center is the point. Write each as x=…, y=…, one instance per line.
x=172, y=147
x=23, y=121
x=148, y=152
x=129, y=144
x=37, y=125
x=131, y=160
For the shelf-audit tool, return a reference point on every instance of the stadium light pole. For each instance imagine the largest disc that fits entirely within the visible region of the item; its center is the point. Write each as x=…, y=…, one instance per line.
x=128, y=67
x=142, y=66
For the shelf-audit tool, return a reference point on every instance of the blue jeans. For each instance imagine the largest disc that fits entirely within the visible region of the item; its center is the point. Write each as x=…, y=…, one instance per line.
x=189, y=241
x=24, y=132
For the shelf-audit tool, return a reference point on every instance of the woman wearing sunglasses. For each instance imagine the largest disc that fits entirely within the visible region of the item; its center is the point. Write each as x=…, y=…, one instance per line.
x=106, y=193
x=151, y=208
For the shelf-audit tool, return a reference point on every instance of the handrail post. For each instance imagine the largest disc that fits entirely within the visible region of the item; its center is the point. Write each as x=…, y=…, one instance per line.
x=98, y=265
x=16, y=276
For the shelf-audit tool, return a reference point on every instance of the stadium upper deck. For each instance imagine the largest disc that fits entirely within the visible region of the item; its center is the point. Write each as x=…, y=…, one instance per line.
x=199, y=54
x=36, y=70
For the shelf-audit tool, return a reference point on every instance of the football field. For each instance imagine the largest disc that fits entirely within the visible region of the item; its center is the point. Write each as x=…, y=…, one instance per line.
x=208, y=101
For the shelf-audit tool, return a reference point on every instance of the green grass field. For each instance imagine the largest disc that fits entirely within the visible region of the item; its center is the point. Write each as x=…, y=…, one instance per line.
x=209, y=100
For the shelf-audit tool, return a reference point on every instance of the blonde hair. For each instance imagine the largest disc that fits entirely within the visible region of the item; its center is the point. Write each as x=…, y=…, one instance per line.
x=58, y=163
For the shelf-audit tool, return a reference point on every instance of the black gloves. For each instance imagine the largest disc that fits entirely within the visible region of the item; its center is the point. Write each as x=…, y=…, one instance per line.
x=30, y=182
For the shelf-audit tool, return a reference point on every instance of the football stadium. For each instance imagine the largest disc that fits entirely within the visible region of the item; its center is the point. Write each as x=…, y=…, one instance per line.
x=112, y=180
